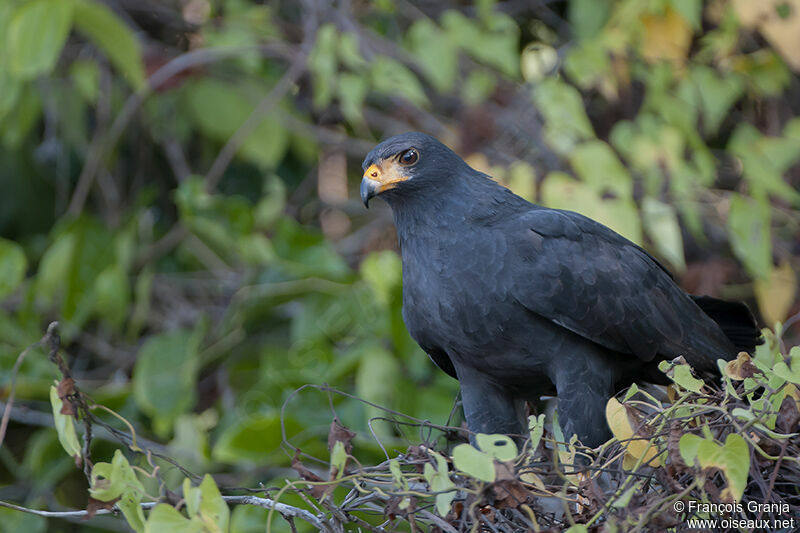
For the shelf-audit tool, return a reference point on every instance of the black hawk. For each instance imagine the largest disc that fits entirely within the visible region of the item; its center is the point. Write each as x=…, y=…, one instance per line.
x=516, y=300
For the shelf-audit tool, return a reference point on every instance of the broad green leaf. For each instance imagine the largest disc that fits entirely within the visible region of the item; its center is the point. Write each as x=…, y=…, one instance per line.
x=790, y=371
x=212, y=507
x=749, y=230
x=764, y=160
x=113, y=37
x=111, y=480
x=577, y=528
x=688, y=446
x=130, y=505
x=375, y=382
x=65, y=426
x=86, y=77
x=661, y=224
x=220, y=108
x=681, y=374
x=733, y=458
x=12, y=266
x=254, y=438
x=474, y=462
x=352, y=92
x=164, y=517
x=500, y=447
x=397, y=475
x=323, y=65
x=597, y=164
x=393, y=78
x=625, y=498
x=36, y=35
x=164, y=378
x=338, y=459
x=566, y=123
x=13, y=521
x=560, y=191
x=439, y=481
x=587, y=17
x=435, y=53
x=112, y=295
x=536, y=428
x=383, y=272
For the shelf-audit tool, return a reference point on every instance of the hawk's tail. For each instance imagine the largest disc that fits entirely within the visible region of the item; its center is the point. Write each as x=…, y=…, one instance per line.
x=735, y=320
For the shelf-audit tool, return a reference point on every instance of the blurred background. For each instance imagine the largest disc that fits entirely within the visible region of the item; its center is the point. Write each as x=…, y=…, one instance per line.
x=179, y=189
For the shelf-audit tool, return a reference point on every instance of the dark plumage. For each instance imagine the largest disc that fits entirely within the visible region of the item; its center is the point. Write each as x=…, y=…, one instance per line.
x=514, y=299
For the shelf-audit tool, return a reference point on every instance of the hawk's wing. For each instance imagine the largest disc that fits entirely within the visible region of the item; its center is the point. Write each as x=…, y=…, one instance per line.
x=592, y=281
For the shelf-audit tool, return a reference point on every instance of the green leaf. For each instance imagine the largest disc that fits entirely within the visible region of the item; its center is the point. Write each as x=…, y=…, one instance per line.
x=791, y=371
x=394, y=79
x=383, y=272
x=338, y=459
x=566, y=123
x=12, y=266
x=111, y=480
x=536, y=427
x=577, y=528
x=212, y=507
x=323, y=65
x=352, y=92
x=764, y=161
x=434, y=52
x=36, y=35
x=500, y=447
x=164, y=517
x=733, y=458
x=219, y=109
x=254, y=438
x=375, y=382
x=164, y=378
x=561, y=191
x=749, y=230
x=112, y=295
x=597, y=164
x=439, y=481
x=661, y=223
x=65, y=426
x=86, y=77
x=130, y=505
x=681, y=374
x=688, y=446
x=587, y=17
x=113, y=37
x=474, y=462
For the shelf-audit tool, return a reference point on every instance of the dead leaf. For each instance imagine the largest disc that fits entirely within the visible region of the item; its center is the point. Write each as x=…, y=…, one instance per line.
x=788, y=416
x=510, y=494
x=66, y=388
x=339, y=433
x=741, y=367
x=95, y=505
x=318, y=491
x=778, y=21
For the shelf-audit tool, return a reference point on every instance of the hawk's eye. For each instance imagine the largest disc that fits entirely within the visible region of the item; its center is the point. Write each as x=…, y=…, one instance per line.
x=409, y=157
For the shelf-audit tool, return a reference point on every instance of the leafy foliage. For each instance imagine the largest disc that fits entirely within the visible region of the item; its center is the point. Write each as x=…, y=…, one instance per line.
x=179, y=188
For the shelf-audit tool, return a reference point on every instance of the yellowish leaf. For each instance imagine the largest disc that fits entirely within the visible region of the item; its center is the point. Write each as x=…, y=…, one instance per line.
x=666, y=36
x=778, y=21
x=741, y=367
x=619, y=420
x=775, y=294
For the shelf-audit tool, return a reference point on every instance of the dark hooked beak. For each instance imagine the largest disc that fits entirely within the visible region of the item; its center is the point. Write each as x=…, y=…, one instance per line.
x=369, y=188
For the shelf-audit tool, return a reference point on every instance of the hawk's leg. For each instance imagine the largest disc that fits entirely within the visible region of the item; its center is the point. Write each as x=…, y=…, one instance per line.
x=488, y=407
x=584, y=386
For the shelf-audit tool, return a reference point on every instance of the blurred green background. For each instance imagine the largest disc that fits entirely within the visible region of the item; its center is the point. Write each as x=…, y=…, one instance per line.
x=178, y=188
